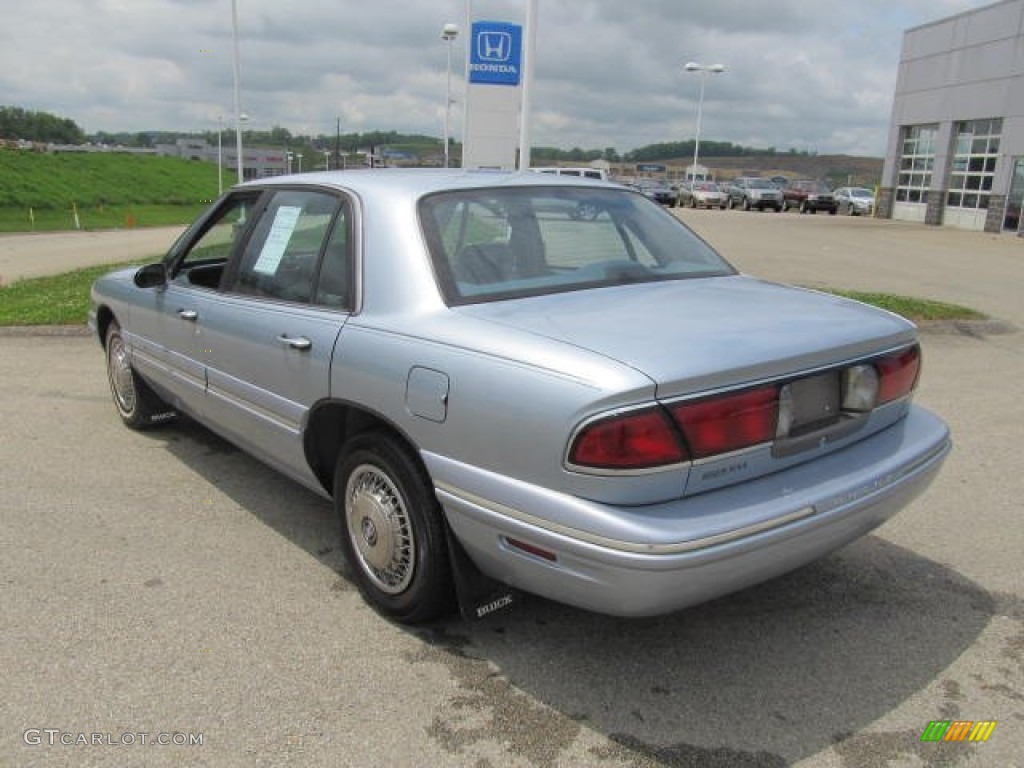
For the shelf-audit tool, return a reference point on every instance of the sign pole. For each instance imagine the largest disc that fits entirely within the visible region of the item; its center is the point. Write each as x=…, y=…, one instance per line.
x=465, y=80
x=525, y=105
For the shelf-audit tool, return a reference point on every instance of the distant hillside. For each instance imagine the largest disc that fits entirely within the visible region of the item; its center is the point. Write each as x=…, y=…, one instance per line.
x=42, y=180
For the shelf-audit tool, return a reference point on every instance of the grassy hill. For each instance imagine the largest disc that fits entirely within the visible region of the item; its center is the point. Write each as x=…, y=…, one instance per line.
x=100, y=190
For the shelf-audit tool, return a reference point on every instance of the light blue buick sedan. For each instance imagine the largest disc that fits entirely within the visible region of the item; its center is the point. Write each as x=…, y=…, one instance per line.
x=520, y=382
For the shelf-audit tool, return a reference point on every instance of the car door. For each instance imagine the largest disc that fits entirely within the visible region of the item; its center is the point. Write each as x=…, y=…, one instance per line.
x=166, y=340
x=268, y=340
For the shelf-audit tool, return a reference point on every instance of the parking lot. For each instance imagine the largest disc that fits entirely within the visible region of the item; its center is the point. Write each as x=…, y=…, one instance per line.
x=164, y=583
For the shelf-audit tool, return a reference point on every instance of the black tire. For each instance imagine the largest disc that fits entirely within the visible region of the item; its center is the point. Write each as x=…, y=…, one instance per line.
x=746, y=203
x=137, y=404
x=392, y=531
x=832, y=211
x=803, y=206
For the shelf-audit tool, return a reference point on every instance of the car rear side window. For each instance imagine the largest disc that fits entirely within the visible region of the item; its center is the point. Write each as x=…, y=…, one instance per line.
x=334, y=287
x=282, y=256
x=489, y=244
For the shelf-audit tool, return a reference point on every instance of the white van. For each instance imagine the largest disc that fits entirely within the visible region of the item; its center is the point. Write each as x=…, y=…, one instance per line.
x=586, y=173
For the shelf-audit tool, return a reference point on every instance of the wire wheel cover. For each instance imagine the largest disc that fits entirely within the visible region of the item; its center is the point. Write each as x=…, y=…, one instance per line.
x=380, y=529
x=120, y=371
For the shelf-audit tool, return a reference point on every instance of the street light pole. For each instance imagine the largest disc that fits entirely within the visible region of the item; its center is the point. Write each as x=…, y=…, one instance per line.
x=448, y=34
x=236, y=70
x=703, y=70
x=220, y=155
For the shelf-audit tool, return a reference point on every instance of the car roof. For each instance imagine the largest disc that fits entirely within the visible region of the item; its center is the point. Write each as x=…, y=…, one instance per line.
x=416, y=182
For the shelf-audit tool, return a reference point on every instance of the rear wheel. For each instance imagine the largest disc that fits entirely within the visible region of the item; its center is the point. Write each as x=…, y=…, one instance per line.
x=137, y=404
x=392, y=532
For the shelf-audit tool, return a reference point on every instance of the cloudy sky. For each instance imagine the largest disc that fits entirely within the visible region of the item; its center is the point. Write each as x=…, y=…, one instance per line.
x=810, y=76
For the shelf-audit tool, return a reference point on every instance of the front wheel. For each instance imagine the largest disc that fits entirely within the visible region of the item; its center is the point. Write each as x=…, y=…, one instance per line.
x=392, y=532
x=137, y=405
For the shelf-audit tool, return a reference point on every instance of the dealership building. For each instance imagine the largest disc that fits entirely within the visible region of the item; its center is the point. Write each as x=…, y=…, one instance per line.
x=955, y=155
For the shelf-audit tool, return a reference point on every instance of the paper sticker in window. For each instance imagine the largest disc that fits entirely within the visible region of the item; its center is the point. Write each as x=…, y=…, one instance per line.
x=281, y=230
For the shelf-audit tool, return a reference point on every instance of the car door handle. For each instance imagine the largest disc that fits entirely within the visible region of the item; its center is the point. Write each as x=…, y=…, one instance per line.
x=188, y=314
x=295, y=342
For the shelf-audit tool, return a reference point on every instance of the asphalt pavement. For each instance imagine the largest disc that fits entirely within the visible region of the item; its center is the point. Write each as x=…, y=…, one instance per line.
x=36, y=254
x=163, y=586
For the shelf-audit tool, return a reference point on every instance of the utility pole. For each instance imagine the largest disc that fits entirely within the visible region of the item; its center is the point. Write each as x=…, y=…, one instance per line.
x=337, y=146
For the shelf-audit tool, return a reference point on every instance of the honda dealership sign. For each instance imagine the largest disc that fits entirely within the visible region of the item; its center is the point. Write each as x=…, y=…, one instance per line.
x=495, y=53
x=493, y=95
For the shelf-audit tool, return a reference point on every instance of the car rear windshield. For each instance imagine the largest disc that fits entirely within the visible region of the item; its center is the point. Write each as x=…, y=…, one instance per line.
x=490, y=244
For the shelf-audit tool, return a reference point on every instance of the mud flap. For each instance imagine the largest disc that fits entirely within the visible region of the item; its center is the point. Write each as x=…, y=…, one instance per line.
x=479, y=595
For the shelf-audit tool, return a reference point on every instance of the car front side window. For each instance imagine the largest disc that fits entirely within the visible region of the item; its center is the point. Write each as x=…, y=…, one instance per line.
x=206, y=251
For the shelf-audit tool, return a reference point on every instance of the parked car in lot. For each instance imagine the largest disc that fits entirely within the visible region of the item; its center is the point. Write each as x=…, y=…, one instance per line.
x=490, y=386
x=585, y=172
x=855, y=201
x=659, y=191
x=808, y=196
x=749, y=192
x=702, y=194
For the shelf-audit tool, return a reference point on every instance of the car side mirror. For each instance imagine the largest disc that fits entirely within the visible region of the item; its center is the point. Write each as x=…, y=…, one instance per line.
x=151, y=276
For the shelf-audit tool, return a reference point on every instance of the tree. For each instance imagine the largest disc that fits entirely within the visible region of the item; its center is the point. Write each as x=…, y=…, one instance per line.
x=18, y=123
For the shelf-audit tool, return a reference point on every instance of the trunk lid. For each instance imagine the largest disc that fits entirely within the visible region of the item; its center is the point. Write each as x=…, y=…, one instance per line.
x=692, y=336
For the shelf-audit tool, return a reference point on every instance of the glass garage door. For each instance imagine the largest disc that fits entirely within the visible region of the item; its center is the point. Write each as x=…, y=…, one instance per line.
x=1015, y=200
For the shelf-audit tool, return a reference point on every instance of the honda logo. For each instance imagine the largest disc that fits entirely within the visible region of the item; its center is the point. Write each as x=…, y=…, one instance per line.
x=494, y=46
x=495, y=54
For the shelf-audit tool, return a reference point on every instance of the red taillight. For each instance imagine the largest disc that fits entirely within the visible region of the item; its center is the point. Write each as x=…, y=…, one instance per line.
x=648, y=438
x=635, y=440
x=898, y=374
x=728, y=423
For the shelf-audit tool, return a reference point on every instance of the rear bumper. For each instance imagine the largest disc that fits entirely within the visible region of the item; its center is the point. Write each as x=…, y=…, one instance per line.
x=777, y=523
